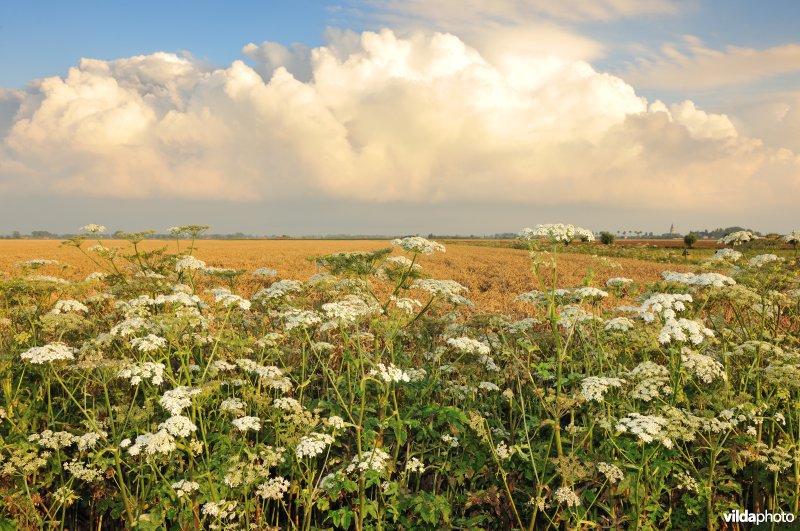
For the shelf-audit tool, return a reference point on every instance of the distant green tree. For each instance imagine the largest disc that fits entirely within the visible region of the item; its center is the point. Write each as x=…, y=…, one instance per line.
x=606, y=238
x=690, y=239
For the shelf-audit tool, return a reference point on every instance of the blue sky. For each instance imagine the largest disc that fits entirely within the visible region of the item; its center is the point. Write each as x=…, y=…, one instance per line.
x=628, y=109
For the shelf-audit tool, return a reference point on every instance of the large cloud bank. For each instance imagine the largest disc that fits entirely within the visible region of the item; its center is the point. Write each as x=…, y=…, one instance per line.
x=377, y=117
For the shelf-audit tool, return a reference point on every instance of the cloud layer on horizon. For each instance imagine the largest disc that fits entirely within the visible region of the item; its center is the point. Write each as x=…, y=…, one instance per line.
x=378, y=117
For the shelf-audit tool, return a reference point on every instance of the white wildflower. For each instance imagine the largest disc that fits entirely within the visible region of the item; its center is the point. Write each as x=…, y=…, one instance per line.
x=189, y=263
x=93, y=228
x=389, y=373
x=184, y=487
x=149, y=343
x=725, y=255
x=593, y=387
x=417, y=244
x=763, y=259
x=247, y=423
x=684, y=330
x=273, y=489
x=143, y=371
x=737, y=238
x=176, y=400
x=69, y=305
x=376, y=460
x=612, y=472
x=567, y=496
x=468, y=345
x=704, y=367
x=178, y=425
x=233, y=406
x=619, y=324
x=313, y=445
x=415, y=465
x=48, y=353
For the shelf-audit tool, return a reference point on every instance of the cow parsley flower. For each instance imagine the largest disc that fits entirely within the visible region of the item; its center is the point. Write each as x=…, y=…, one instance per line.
x=234, y=406
x=702, y=280
x=661, y=303
x=468, y=345
x=727, y=255
x=376, y=460
x=704, y=367
x=417, y=244
x=612, y=472
x=737, y=238
x=619, y=324
x=54, y=440
x=89, y=440
x=593, y=387
x=184, y=487
x=279, y=289
x=149, y=343
x=792, y=238
x=130, y=326
x=94, y=229
x=178, y=425
x=295, y=318
x=288, y=403
x=557, y=233
x=683, y=330
x=618, y=282
x=273, y=489
x=176, y=400
x=69, y=305
x=449, y=290
x=82, y=471
x=228, y=299
x=265, y=272
x=390, y=373
x=588, y=292
x=161, y=442
x=415, y=465
x=313, y=445
x=567, y=496
x=348, y=310
x=647, y=428
x=189, y=263
x=572, y=315
x=247, y=423
x=763, y=259
x=143, y=371
x=48, y=353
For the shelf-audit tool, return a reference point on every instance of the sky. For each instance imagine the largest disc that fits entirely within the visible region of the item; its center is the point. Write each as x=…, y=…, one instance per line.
x=399, y=116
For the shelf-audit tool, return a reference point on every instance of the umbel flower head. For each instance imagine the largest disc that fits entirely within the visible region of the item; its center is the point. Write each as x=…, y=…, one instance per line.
x=94, y=229
x=48, y=353
x=557, y=233
x=417, y=244
x=738, y=237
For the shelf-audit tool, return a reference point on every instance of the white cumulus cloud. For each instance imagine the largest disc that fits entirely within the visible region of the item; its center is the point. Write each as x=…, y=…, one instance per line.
x=377, y=117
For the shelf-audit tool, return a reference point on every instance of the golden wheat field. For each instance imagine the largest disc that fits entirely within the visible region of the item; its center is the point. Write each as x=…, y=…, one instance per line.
x=493, y=275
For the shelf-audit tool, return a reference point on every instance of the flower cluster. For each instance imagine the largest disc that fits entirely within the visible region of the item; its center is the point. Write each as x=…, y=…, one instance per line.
x=417, y=244
x=557, y=233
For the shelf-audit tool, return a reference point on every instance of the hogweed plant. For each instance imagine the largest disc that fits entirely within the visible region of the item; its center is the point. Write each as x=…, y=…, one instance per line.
x=163, y=392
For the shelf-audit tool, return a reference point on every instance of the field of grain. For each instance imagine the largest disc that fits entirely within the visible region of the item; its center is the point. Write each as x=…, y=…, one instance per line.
x=494, y=275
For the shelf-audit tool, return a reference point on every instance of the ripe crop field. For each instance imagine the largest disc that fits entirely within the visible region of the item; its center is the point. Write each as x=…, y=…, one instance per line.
x=493, y=275
x=393, y=385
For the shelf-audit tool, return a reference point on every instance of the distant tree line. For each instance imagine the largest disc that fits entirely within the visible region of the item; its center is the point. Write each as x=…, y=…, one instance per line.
x=638, y=234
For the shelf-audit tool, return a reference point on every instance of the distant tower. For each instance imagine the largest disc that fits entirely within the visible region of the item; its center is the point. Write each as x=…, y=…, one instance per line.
x=672, y=229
